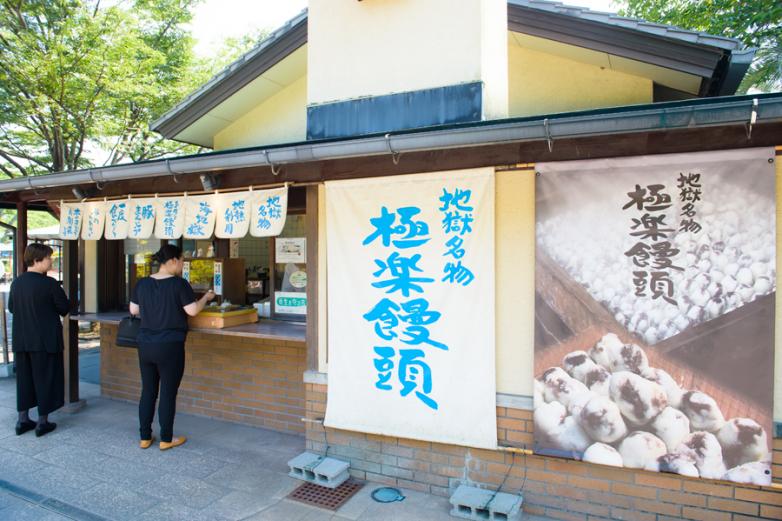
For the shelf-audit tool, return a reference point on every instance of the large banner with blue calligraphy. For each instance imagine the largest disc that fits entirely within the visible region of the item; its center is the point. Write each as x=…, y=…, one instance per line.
x=411, y=307
x=654, y=314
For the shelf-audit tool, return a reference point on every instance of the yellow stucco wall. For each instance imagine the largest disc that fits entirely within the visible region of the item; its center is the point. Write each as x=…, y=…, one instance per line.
x=280, y=119
x=542, y=83
x=91, y=277
x=515, y=280
x=385, y=46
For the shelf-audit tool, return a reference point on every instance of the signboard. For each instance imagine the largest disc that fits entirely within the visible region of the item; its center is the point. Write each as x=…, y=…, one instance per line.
x=293, y=250
x=71, y=216
x=411, y=307
x=186, y=270
x=218, y=278
x=655, y=287
x=227, y=216
x=291, y=303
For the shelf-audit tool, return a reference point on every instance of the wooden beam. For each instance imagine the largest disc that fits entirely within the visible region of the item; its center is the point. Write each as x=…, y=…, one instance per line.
x=70, y=272
x=21, y=236
x=311, y=223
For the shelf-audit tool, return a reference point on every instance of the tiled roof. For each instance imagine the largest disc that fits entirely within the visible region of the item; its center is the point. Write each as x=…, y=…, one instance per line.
x=665, y=31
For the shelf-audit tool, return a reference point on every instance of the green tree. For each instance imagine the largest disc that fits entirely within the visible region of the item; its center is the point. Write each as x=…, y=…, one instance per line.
x=76, y=75
x=757, y=23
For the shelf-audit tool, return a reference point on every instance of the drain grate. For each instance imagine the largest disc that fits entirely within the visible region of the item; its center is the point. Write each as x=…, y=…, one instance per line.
x=330, y=498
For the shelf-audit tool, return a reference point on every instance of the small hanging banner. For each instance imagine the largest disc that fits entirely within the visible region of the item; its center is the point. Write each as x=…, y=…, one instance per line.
x=169, y=217
x=200, y=216
x=186, y=270
x=117, y=220
x=94, y=216
x=269, y=210
x=141, y=218
x=233, y=215
x=218, y=278
x=70, y=220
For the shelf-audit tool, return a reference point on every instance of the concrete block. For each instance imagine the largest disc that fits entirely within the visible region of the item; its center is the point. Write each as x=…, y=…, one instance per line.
x=332, y=472
x=477, y=504
x=6, y=370
x=326, y=472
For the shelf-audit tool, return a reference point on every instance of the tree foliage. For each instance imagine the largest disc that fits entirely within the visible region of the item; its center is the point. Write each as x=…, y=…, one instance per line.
x=76, y=75
x=757, y=23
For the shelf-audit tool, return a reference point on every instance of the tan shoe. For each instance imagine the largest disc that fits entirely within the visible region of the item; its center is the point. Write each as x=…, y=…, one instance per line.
x=175, y=442
x=145, y=444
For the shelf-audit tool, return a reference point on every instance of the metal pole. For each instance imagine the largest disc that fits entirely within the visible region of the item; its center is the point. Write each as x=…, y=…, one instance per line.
x=70, y=263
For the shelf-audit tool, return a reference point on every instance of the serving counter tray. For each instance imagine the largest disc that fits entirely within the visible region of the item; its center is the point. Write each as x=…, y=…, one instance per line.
x=219, y=320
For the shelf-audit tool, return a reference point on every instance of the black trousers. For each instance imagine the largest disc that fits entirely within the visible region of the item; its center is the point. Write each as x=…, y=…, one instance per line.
x=40, y=381
x=162, y=366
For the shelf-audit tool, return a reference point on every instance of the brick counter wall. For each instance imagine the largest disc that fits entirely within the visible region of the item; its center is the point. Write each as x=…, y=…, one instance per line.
x=557, y=488
x=245, y=380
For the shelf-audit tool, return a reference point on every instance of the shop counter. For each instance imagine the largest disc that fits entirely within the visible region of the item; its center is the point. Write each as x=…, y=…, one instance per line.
x=268, y=329
x=251, y=373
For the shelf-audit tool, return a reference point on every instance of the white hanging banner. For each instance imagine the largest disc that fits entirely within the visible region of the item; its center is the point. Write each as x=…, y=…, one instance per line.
x=411, y=307
x=268, y=212
x=200, y=216
x=94, y=216
x=141, y=218
x=71, y=216
x=169, y=217
x=233, y=215
x=117, y=220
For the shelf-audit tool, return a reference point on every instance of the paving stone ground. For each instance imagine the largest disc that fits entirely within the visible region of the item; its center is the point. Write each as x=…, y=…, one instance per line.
x=91, y=469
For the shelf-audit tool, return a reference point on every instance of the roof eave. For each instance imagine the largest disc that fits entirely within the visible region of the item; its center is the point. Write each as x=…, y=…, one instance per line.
x=236, y=76
x=656, y=117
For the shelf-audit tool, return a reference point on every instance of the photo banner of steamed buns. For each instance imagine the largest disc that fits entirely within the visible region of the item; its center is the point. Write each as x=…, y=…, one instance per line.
x=606, y=405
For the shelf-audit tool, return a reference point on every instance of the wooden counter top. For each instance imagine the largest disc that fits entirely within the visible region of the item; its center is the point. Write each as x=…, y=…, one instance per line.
x=271, y=329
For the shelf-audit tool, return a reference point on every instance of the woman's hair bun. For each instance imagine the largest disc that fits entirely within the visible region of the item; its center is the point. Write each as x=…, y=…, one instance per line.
x=166, y=253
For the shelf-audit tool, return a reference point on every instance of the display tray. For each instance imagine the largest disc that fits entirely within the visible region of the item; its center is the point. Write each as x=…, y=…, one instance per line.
x=568, y=318
x=215, y=319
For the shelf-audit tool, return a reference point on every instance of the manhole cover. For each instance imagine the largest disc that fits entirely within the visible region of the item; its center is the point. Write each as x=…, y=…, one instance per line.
x=387, y=495
x=323, y=497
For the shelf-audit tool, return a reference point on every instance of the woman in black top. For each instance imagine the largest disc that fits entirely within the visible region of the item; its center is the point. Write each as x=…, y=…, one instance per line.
x=37, y=303
x=164, y=301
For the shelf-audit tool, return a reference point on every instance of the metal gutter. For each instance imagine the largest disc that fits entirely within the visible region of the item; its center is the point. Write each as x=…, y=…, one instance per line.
x=685, y=114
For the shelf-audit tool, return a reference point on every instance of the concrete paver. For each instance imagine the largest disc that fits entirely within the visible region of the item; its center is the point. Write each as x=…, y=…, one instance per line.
x=91, y=469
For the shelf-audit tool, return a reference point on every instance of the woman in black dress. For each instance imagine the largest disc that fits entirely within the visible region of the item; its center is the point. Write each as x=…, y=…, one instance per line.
x=164, y=301
x=37, y=303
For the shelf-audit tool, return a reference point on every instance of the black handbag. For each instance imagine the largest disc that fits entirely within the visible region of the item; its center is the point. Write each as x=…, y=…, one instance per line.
x=127, y=332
